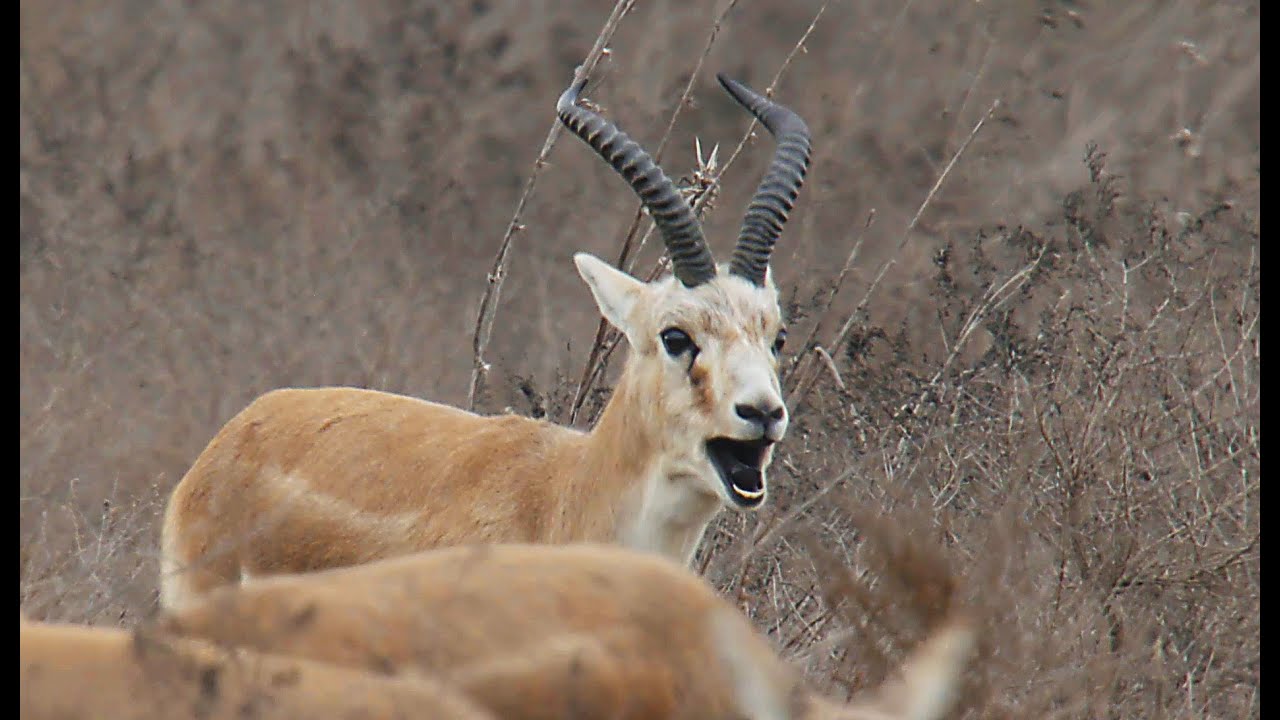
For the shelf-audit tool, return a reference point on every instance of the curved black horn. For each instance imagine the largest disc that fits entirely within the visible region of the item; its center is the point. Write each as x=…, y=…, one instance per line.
x=776, y=196
x=691, y=260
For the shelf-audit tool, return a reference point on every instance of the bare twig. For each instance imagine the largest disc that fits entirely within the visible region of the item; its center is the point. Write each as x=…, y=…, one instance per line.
x=493, y=291
x=803, y=360
x=928, y=199
x=767, y=532
x=628, y=245
x=830, y=365
x=992, y=300
x=799, y=394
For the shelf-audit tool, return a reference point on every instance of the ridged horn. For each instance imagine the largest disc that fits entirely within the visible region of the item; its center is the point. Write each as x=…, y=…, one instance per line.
x=691, y=260
x=776, y=196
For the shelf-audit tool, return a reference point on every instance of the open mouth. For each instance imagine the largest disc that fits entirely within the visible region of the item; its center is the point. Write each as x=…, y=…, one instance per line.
x=739, y=464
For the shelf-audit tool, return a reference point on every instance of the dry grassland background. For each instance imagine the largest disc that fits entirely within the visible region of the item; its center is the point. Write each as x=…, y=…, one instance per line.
x=1047, y=367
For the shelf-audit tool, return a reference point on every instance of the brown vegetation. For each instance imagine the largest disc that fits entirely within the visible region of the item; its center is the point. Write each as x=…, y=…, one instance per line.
x=1042, y=347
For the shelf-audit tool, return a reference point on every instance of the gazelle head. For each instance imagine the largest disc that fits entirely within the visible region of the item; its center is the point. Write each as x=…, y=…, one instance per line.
x=705, y=341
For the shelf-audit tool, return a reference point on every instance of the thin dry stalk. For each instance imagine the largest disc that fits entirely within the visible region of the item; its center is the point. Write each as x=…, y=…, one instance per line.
x=802, y=389
x=628, y=246
x=830, y=365
x=771, y=530
x=993, y=299
x=493, y=290
x=803, y=362
x=773, y=84
x=602, y=327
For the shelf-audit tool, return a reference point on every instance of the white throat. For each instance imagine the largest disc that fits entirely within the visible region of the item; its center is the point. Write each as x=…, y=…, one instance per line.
x=671, y=515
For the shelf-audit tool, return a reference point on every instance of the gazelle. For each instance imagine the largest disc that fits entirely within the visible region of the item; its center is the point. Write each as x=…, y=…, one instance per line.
x=547, y=631
x=89, y=673
x=305, y=479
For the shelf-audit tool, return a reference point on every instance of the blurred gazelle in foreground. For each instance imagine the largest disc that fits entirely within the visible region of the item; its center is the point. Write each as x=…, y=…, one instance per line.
x=95, y=673
x=320, y=478
x=543, y=631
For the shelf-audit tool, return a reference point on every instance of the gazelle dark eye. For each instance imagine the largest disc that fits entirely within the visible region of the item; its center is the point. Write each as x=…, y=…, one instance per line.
x=677, y=341
x=779, y=341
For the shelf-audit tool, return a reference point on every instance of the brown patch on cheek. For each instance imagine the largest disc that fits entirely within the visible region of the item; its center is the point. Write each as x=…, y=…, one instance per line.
x=700, y=378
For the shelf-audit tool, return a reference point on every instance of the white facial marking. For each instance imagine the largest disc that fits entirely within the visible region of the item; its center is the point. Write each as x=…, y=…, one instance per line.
x=703, y=358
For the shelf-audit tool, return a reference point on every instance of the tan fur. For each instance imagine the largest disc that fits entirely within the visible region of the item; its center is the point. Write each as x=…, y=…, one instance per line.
x=306, y=479
x=109, y=674
x=537, y=631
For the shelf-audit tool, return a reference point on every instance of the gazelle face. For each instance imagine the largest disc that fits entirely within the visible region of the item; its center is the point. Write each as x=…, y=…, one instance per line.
x=706, y=340
x=706, y=361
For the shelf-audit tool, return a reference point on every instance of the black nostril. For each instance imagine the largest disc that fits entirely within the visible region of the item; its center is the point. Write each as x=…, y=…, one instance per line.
x=755, y=414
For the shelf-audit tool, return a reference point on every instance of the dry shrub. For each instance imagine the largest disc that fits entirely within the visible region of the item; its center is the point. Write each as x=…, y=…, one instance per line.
x=1089, y=461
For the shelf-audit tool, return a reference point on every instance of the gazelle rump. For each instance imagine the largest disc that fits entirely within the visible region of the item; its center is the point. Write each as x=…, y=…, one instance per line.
x=554, y=631
x=305, y=479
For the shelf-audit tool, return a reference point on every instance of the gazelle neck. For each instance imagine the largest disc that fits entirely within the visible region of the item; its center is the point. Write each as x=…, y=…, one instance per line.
x=625, y=468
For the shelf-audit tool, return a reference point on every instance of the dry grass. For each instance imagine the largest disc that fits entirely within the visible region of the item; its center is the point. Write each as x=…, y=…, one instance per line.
x=1048, y=369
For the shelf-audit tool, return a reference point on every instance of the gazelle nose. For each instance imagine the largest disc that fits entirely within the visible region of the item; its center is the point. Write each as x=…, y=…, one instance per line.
x=766, y=416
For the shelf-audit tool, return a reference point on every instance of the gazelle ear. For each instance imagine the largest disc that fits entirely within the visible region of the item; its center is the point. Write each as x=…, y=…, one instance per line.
x=615, y=291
